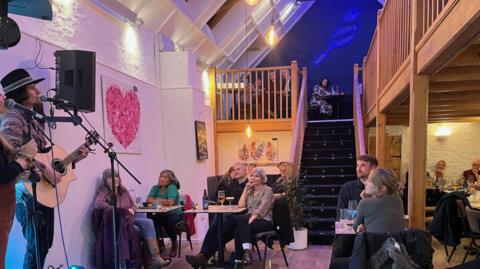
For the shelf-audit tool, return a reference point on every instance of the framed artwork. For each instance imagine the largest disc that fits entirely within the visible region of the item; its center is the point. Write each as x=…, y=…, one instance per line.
x=258, y=151
x=121, y=115
x=201, y=137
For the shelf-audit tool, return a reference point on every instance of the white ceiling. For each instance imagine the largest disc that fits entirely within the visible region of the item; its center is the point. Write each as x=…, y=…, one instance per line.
x=224, y=46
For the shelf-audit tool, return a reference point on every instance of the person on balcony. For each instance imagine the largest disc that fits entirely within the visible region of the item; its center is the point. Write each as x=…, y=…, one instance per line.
x=318, y=101
x=286, y=94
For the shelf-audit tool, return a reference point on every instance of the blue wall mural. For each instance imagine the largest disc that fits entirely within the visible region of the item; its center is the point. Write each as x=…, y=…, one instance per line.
x=331, y=37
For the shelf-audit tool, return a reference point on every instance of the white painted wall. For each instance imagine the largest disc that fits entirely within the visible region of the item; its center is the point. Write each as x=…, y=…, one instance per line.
x=228, y=145
x=458, y=150
x=128, y=55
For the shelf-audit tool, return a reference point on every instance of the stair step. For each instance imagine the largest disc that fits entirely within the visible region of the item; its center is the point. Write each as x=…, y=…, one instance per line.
x=328, y=136
x=320, y=237
x=319, y=144
x=325, y=211
x=331, y=153
x=327, y=179
x=317, y=223
x=319, y=161
x=321, y=199
x=330, y=130
x=330, y=189
x=338, y=170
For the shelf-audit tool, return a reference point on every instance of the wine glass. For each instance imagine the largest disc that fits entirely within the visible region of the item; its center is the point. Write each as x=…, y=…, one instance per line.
x=221, y=197
x=230, y=199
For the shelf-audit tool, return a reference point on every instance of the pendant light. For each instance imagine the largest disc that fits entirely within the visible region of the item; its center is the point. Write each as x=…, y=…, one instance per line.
x=271, y=37
x=251, y=2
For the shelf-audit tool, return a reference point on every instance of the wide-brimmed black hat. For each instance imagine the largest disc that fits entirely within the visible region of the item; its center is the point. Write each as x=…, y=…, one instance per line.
x=16, y=79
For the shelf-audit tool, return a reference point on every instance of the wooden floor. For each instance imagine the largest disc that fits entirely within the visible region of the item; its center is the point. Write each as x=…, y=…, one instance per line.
x=316, y=256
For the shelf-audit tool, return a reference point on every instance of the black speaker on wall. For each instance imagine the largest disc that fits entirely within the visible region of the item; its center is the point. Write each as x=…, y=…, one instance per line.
x=75, y=81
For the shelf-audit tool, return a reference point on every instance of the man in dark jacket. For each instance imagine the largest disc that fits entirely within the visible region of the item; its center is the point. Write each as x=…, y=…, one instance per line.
x=352, y=190
x=233, y=188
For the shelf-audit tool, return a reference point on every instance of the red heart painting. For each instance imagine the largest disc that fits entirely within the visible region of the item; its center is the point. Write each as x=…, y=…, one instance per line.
x=123, y=114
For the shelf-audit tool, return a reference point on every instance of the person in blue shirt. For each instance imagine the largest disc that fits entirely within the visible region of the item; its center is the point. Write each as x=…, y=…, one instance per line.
x=165, y=193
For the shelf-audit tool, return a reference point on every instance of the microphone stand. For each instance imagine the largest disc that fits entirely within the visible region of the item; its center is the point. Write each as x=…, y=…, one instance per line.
x=112, y=155
x=34, y=179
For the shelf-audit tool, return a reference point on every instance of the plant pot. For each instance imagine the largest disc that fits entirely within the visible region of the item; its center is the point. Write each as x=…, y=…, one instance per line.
x=301, y=239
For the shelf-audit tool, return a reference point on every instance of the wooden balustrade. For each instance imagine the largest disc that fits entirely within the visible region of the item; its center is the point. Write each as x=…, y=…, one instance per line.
x=370, y=76
x=394, y=39
x=428, y=12
x=256, y=93
x=300, y=123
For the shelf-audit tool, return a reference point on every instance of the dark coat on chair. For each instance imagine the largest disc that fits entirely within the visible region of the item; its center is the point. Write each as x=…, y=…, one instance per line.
x=417, y=243
x=128, y=243
x=281, y=219
x=449, y=221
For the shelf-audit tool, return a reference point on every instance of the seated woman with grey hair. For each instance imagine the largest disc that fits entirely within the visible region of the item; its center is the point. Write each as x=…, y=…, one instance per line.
x=258, y=198
x=144, y=226
x=382, y=211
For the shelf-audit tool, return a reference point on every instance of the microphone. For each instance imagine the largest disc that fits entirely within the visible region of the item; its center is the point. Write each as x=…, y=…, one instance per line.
x=55, y=101
x=10, y=104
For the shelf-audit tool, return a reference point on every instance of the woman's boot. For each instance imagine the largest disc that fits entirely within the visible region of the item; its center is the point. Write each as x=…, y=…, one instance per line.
x=157, y=261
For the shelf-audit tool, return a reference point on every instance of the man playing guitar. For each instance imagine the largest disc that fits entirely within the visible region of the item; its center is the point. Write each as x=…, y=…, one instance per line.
x=20, y=87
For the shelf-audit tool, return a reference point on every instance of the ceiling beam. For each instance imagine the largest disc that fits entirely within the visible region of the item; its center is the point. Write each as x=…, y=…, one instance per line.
x=455, y=86
x=453, y=73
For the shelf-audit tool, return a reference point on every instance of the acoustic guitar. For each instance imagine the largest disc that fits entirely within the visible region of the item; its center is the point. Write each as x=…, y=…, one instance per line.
x=46, y=194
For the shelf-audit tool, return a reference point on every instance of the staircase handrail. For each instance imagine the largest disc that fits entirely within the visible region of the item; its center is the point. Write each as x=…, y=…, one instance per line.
x=300, y=123
x=357, y=114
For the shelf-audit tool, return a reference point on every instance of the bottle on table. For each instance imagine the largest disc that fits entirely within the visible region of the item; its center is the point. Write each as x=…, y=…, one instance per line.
x=205, y=200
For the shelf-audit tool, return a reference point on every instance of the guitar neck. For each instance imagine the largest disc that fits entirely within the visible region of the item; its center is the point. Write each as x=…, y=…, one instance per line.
x=72, y=156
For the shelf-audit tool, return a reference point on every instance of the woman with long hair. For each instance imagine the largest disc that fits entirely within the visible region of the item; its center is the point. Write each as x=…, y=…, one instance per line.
x=383, y=211
x=145, y=226
x=165, y=193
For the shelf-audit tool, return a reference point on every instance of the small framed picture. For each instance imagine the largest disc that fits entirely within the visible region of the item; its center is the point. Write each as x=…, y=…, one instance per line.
x=201, y=137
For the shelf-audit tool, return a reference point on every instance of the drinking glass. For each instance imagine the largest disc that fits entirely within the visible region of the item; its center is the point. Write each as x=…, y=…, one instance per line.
x=138, y=201
x=343, y=217
x=230, y=199
x=221, y=197
x=352, y=211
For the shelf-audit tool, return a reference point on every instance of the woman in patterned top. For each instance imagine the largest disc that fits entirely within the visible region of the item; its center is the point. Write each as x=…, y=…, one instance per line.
x=145, y=226
x=258, y=198
x=166, y=193
x=318, y=98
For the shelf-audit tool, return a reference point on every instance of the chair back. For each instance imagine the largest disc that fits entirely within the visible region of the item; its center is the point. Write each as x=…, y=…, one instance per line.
x=281, y=220
x=473, y=217
x=212, y=187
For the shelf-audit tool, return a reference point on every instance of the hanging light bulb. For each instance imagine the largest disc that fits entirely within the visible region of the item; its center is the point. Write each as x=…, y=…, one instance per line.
x=271, y=37
x=248, y=131
x=251, y=2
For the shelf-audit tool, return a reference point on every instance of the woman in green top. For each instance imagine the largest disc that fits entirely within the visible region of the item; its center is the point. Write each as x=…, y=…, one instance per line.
x=165, y=193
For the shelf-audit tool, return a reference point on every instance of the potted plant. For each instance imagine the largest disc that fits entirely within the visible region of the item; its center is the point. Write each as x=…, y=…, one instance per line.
x=296, y=199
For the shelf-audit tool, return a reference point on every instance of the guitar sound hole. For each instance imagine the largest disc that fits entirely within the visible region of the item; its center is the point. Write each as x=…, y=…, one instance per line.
x=58, y=166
